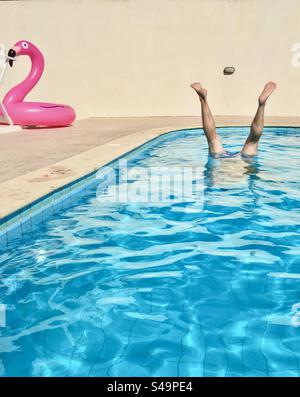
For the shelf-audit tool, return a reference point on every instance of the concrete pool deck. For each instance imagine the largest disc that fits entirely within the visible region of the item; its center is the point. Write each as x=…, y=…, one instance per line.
x=36, y=162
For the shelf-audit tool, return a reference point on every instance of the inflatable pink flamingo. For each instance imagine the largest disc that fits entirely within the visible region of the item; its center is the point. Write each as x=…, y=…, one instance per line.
x=37, y=114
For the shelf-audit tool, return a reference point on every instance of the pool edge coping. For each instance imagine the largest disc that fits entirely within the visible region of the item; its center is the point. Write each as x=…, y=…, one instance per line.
x=24, y=190
x=18, y=193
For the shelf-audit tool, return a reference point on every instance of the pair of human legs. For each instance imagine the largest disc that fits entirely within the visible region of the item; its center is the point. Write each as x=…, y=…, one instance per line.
x=214, y=142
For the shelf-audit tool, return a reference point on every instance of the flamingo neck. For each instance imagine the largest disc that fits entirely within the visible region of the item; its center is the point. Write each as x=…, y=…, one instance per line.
x=19, y=92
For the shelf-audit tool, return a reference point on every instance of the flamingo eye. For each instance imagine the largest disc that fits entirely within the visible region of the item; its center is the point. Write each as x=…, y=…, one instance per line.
x=25, y=45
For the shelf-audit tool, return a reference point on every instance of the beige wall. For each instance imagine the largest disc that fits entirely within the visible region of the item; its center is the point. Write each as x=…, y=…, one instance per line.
x=137, y=57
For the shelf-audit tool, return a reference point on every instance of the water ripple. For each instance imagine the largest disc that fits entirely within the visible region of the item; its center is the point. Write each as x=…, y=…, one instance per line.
x=205, y=287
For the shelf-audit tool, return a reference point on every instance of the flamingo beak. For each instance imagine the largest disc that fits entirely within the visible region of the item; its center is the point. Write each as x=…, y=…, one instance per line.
x=12, y=54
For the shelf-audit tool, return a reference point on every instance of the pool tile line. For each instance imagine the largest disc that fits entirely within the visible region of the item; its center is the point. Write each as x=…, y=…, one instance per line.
x=60, y=190
x=22, y=222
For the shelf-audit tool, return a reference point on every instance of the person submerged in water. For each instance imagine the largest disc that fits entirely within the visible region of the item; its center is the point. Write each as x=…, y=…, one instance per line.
x=214, y=142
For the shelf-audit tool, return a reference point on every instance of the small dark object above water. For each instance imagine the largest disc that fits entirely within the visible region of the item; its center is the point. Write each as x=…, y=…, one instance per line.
x=228, y=70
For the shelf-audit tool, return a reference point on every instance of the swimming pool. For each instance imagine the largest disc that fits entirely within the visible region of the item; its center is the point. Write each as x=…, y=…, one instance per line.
x=202, y=284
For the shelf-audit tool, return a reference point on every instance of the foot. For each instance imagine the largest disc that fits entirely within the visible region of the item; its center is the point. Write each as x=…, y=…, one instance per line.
x=202, y=92
x=267, y=91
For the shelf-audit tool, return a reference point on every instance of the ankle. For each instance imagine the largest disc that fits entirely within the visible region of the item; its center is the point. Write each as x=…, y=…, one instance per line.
x=261, y=104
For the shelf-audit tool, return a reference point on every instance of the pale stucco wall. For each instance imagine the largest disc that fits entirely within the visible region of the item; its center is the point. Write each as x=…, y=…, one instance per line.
x=137, y=57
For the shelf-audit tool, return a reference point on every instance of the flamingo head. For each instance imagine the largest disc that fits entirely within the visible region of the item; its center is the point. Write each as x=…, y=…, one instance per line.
x=22, y=47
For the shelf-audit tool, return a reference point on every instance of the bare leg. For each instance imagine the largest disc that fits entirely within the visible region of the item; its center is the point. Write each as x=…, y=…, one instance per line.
x=257, y=126
x=213, y=139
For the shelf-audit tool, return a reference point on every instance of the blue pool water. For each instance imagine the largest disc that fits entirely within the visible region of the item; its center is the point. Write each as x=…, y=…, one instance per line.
x=203, y=286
